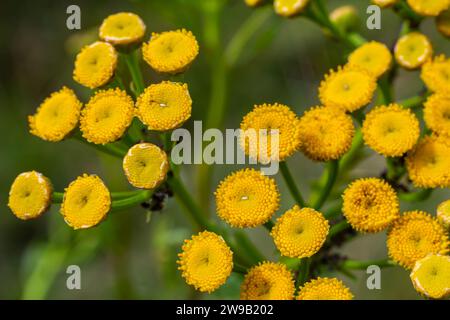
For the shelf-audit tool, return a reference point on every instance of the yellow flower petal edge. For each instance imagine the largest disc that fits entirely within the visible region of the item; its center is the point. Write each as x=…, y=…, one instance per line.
x=122, y=28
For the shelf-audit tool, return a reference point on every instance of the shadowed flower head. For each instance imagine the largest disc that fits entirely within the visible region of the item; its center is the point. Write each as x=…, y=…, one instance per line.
x=431, y=276
x=429, y=7
x=164, y=106
x=107, y=116
x=122, y=28
x=300, y=233
x=325, y=133
x=253, y=3
x=324, y=289
x=348, y=88
x=428, y=164
x=437, y=114
x=57, y=116
x=443, y=23
x=415, y=235
x=391, y=130
x=384, y=3
x=413, y=50
x=370, y=205
x=374, y=57
x=86, y=202
x=30, y=195
x=289, y=8
x=170, y=51
x=95, y=65
x=206, y=261
x=247, y=198
x=436, y=74
x=443, y=213
x=270, y=117
x=145, y=165
x=268, y=281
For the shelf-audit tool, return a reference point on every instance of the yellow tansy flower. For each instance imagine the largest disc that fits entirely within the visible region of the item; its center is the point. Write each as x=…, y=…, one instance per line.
x=289, y=8
x=324, y=289
x=106, y=116
x=415, y=235
x=247, y=198
x=348, y=88
x=431, y=276
x=30, y=195
x=122, y=28
x=206, y=261
x=413, y=50
x=437, y=113
x=95, y=65
x=429, y=7
x=436, y=74
x=374, y=57
x=268, y=281
x=384, y=3
x=370, y=205
x=391, y=130
x=428, y=164
x=145, y=165
x=270, y=117
x=57, y=116
x=443, y=213
x=325, y=133
x=86, y=202
x=170, y=51
x=253, y=3
x=300, y=233
x=443, y=23
x=164, y=106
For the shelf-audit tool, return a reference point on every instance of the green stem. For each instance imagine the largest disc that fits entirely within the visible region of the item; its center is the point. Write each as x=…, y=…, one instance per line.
x=57, y=197
x=132, y=201
x=363, y=265
x=107, y=148
x=254, y=254
x=132, y=61
x=413, y=102
x=269, y=225
x=303, y=273
x=337, y=228
x=295, y=193
x=331, y=173
x=239, y=269
x=384, y=91
x=415, y=196
x=333, y=212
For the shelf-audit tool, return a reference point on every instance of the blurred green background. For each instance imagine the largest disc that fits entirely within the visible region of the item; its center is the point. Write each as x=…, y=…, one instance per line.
x=126, y=257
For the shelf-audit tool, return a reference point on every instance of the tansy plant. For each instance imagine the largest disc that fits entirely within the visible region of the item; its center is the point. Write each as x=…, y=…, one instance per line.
x=118, y=117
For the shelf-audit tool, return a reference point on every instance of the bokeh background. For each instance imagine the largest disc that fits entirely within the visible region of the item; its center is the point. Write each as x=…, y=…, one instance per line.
x=127, y=257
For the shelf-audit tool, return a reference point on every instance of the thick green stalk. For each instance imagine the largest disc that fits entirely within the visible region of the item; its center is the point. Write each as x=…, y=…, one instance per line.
x=109, y=148
x=363, y=265
x=337, y=228
x=132, y=61
x=303, y=272
x=57, y=197
x=295, y=193
x=132, y=201
x=417, y=196
x=413, y=102
x=331, y=174
x=239, y=268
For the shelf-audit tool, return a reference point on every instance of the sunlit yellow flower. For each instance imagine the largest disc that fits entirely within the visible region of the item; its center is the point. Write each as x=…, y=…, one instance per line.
x=206, y=261
x=289, y=8
x=436, y=74
x=267, y=117
x=443, y=23
x=300, y=233
x=57, y=116
x=370, y=205
x=431, y=276
x=325, y=133
x=122, y=28
x=415, y=235
x=437, y=113
x=95, y=65
x=106, y=116
x=347, y=88
x=145, y=165
x=247, y=198
x=164, y=106
x=170, y=51
x=428, y=163
x=429, y=7
x=443, y=213
x=86, y=202
x=324, y=289
x=384, y=3
x=391, y=130
x=413, y=50
x=253, y=3
x=268, y=281
x=30, y=195
x=374, y=57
